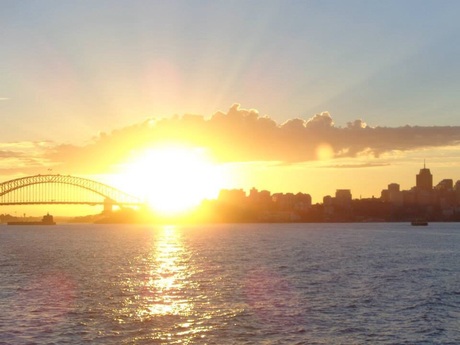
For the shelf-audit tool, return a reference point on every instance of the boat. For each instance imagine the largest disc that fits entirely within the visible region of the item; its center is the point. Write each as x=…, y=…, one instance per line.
x=46, y=220
x=419, y=222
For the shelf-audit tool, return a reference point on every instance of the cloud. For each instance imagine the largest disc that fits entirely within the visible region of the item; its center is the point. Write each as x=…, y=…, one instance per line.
x=24, y=158
x=241, y=135
x=10, y=154
x=357, y=166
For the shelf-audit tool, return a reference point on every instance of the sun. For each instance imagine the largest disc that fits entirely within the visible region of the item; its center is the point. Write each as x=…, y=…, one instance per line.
x=172, y=179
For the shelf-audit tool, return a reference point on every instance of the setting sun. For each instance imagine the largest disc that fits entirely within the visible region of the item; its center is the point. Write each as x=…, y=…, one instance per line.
x=172, y=179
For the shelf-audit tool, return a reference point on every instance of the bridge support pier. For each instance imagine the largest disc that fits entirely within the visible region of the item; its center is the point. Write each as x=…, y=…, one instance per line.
x=108, y=206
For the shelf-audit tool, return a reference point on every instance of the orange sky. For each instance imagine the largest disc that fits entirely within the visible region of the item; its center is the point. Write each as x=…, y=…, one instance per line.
x=195, y=155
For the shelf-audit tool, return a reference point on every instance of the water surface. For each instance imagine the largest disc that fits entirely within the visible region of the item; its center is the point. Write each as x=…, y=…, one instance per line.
x=230, y=284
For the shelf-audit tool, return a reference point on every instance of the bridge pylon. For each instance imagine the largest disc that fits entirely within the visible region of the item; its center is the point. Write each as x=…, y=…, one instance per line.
x=108, y=205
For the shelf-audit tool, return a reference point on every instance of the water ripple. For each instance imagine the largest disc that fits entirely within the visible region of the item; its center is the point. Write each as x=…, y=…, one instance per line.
x=230, y=284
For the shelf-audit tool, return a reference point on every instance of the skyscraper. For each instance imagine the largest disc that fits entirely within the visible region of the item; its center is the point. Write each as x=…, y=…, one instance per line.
x=424, y=179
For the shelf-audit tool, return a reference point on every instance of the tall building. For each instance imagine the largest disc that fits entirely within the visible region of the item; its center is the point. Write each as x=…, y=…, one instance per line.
x=393, y=188
x=343, y=197
x=395, y=195
x=424, y=179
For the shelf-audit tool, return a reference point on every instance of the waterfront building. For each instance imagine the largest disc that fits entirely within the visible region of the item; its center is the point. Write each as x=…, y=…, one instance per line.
x=343, y=197
x=395, y=195
x=424, y=179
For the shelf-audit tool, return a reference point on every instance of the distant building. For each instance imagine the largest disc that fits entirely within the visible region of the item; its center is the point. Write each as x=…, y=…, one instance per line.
x=260, y=197
x=457, y=191
x=395, y=195
x=302, y=201
x=457, y=186
x=385, y=195
x=232, y=196
x=328, y=208
x=393, y=188
x=283, y=201
x=343, y=197
x=408, y=197
x=424, y=187
x=445, y=185
x=390, y=193
x=424, y=179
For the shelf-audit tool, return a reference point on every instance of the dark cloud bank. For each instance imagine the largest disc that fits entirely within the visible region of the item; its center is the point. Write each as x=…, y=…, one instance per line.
x=243, y=135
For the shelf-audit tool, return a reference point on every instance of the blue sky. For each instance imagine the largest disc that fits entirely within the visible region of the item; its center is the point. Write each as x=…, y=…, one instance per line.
x=80, y=67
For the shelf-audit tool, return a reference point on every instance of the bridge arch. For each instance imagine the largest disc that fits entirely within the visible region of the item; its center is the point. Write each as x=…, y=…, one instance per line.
x=9, y=194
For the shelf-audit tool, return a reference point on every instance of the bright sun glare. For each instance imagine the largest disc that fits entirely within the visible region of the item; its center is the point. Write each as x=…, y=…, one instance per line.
x=172, y=179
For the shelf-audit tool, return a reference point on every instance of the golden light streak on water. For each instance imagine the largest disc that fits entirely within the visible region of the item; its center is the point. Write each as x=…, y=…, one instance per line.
x=159, y=285
x=170, y=293
x=169, y=276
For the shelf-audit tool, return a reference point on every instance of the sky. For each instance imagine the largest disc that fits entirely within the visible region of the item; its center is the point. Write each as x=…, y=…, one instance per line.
x=290, y=96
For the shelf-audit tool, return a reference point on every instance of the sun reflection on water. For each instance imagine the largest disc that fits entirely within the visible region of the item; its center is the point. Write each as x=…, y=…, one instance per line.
x=170, y=294
x=169, y=277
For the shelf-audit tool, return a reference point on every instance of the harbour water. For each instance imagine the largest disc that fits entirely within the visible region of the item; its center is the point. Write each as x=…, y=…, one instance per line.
x=374, y=283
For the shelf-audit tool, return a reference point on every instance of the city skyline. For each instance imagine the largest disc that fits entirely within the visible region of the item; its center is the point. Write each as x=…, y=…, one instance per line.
x=188, y=98
x=419, y=195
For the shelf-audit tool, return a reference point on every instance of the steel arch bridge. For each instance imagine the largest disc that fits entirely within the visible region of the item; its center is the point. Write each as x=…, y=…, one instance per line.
x=62, y=189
